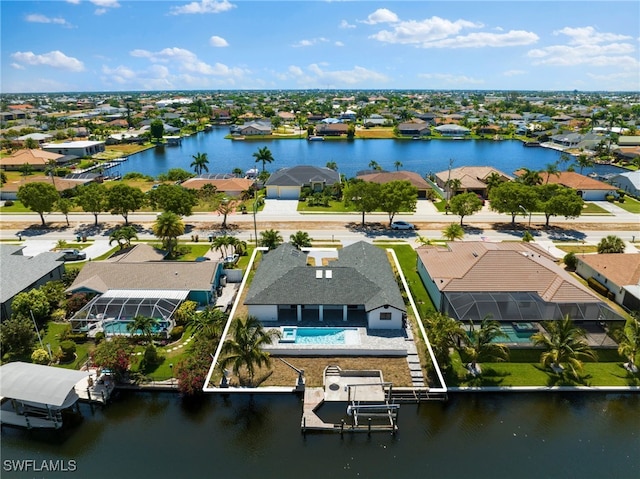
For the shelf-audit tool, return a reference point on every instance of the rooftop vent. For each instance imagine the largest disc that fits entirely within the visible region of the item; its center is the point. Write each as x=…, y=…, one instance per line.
x=328, y=274
x=318, y=274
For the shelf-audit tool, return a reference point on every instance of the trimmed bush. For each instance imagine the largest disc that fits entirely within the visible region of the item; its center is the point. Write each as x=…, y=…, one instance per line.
x=99, y=337
x=610, y=198
x=570, y=260
x=176, y=333
x=621, y=199
x=40, y=356
x=67, y=350
x=8, y=203
x=597, y=286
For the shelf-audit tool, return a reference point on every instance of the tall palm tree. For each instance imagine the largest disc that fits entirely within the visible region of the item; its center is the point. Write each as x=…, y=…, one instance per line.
x=481, y=345
x=142, y=325
x=452, y=185
x=168, y=227
x=443, y=333
x=493, y=180
x=199, y=163
x=300, y=239
x=224, y=244
x=123, y=236
x=373, y=164
x=209, y=322
x=244, y=349
x=270, y=238
x=629, y=342
x=564, y=347
x=551, y=169
x=453, y=232
x=332, y=165
x=263, y=155
x=530, y=177
x=397, y=164
x=584, y=161
x=611, y=244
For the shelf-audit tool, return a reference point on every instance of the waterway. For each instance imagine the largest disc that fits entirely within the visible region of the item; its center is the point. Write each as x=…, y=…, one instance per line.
x=423, y=157
x=518, y=435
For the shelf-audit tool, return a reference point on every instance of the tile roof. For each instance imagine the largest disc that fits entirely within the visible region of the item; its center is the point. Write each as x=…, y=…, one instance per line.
x=361, y=275
x=35, y=157
x=387, y=176
x=471, y=266
x=622, y=269
x=574, y=180
x=223, y=184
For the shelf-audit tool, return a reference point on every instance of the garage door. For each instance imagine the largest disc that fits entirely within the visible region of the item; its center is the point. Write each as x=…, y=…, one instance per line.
x=287, y=193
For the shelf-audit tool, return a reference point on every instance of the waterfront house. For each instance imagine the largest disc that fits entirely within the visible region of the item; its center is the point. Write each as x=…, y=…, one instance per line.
x=254, y=128
x=628, y=182
x=415, y=127
x=21, y=273
x=359, y=285
x=9, y=191
x=382, y=177
x=453, y=130
x=331, y=129
x=511, y=281
x=37, y=159
x=287, y=183
x=77, y=148
x=473, y=179
x=233, y=187
x=588, y=188
x=618, y=273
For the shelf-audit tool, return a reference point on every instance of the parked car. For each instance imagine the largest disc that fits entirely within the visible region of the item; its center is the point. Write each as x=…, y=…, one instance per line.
x=402, y=225
x=232, y=259
x=74, y=255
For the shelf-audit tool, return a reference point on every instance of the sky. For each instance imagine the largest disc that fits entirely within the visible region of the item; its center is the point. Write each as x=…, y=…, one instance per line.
x=125, y=45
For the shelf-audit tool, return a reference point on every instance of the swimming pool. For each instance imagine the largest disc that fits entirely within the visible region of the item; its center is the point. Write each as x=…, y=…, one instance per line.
x=514, y=336
x=295, y=335
x=120, y=326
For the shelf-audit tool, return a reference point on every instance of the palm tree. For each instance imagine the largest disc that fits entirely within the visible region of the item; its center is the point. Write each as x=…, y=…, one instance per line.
x=584, y=161
x=237, y=172
x=263, y=155
x=168, y=227
x=453, y=232
x=452, y=185
x=244, y=349
x=199, y=163
x=209, y=322
x=373, y=164
x=123, y=236
x=564, y=346
x=530, y=177
x=332, y=165
x=551, y=169
x=629, y=342
x=397, y=164
x=142, y=325
x=481, y=345
x=300, y=239
x=493, y=180
x=270, y=238
x=224, y=244
x=443, y=333
x=611, y=244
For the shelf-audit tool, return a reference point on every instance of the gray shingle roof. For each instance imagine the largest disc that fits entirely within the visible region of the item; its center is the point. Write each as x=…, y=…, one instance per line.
x=361, y=275
x=18, y=272
x=303, y=175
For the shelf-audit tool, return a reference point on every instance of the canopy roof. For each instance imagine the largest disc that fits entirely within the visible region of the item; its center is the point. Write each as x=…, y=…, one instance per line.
x=38, y=384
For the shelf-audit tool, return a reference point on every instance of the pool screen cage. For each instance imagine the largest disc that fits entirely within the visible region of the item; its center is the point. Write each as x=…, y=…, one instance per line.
x=125, y=305
x=521, y=306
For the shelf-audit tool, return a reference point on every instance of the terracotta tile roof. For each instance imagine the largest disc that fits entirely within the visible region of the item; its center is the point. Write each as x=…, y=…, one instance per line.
x=471, y=266
x=621, y=269
x=228, y=184
x=574, y=180
x=387, y=176
x=35, y=157
x=61, y=184
x=470, y=176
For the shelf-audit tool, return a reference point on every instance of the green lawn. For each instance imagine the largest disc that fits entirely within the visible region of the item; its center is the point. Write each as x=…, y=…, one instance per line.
x=578, y=249
x=593, y=209
x=334, y=207
x=17, y=207
x=52, y=337
x=407, y=257
x=630, y=204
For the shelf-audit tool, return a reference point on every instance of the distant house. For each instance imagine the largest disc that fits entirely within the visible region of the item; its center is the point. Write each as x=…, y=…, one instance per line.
x=287, y=183
x=20, y=273
x=414, y=128
x=510, y=281
x=382, y=177
x=619, y=273
x=473, y=179
x=453, y=130
x=331, y=129
x=39, y=137
x=588, y=188
x=629, y=182
x=567, y=140
x=37, y=159
x=233, y=187
x=254, y=128
x=76, y=148
x=629, y=140
x=375, y=120
x=9, y=191
x=360, y=285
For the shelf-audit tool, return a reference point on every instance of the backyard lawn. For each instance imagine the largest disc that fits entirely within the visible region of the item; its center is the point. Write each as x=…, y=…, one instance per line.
x=630, y=204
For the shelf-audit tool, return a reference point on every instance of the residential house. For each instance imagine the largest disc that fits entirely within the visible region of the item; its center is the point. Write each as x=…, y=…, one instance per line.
x=359, y=285
x=382, y=177
x=254, y=128
x=415, y=127
x=9, y=191
x=37, y=159
x=21, y=273
x=619, y=273
x=588, y=188
x=331, y=129
x=451, y=129
x=77, y=148
x=233, y=187
x=287, y=183
x=473, y=179
x=375, y=120
x=39, y=137
x=629, y=182
x=511, y=281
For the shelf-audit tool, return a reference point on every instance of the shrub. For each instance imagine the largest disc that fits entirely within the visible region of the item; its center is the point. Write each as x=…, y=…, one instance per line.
x=58, y=315
x=40, y=356
x=99, y=337
x=570, y=260
x=176, y=333
x=621, y=193
x=610, y=198
x=67, y=350
x=597, y=286
x=621, y=199
x=8, y=203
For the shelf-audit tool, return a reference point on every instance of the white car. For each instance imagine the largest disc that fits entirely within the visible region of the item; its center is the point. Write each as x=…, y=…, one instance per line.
x=402, y=225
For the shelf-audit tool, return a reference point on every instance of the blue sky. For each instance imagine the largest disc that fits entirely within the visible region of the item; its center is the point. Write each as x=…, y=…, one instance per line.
x=121, y=45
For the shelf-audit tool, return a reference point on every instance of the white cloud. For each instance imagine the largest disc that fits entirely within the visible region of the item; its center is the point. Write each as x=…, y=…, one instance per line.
x=423, y=31
x=512, y=73
x=100, y=11
x=38, y=18
x=339, y=44
x=485, y=39
x=120, y=74
x=205, y=6
x=17, y=66
x=187, y=61
x=216, y=41
x=586, y=46
x=74, y=2
x=310, y=42
x=104, y=5
x=55, y=59
x=381, y=15
x=294, y=70
x=450, y=79
x=317, y=74
x=345, y=24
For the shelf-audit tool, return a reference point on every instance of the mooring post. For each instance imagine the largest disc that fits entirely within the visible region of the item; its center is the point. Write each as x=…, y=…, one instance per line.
x=341, y=426
x=89, y=394
x=304, y=424
x=369, y=432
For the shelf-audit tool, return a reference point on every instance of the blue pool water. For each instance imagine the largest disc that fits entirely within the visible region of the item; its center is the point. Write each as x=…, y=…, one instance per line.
x=514, y=336
x=315, y=335
x=120, y=327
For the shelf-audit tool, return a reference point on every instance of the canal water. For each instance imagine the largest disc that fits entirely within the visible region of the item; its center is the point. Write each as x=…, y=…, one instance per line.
x=518, y=435
x=423, y=157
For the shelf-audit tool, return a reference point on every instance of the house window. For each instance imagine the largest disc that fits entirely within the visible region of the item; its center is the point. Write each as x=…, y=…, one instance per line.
x=385, y=316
